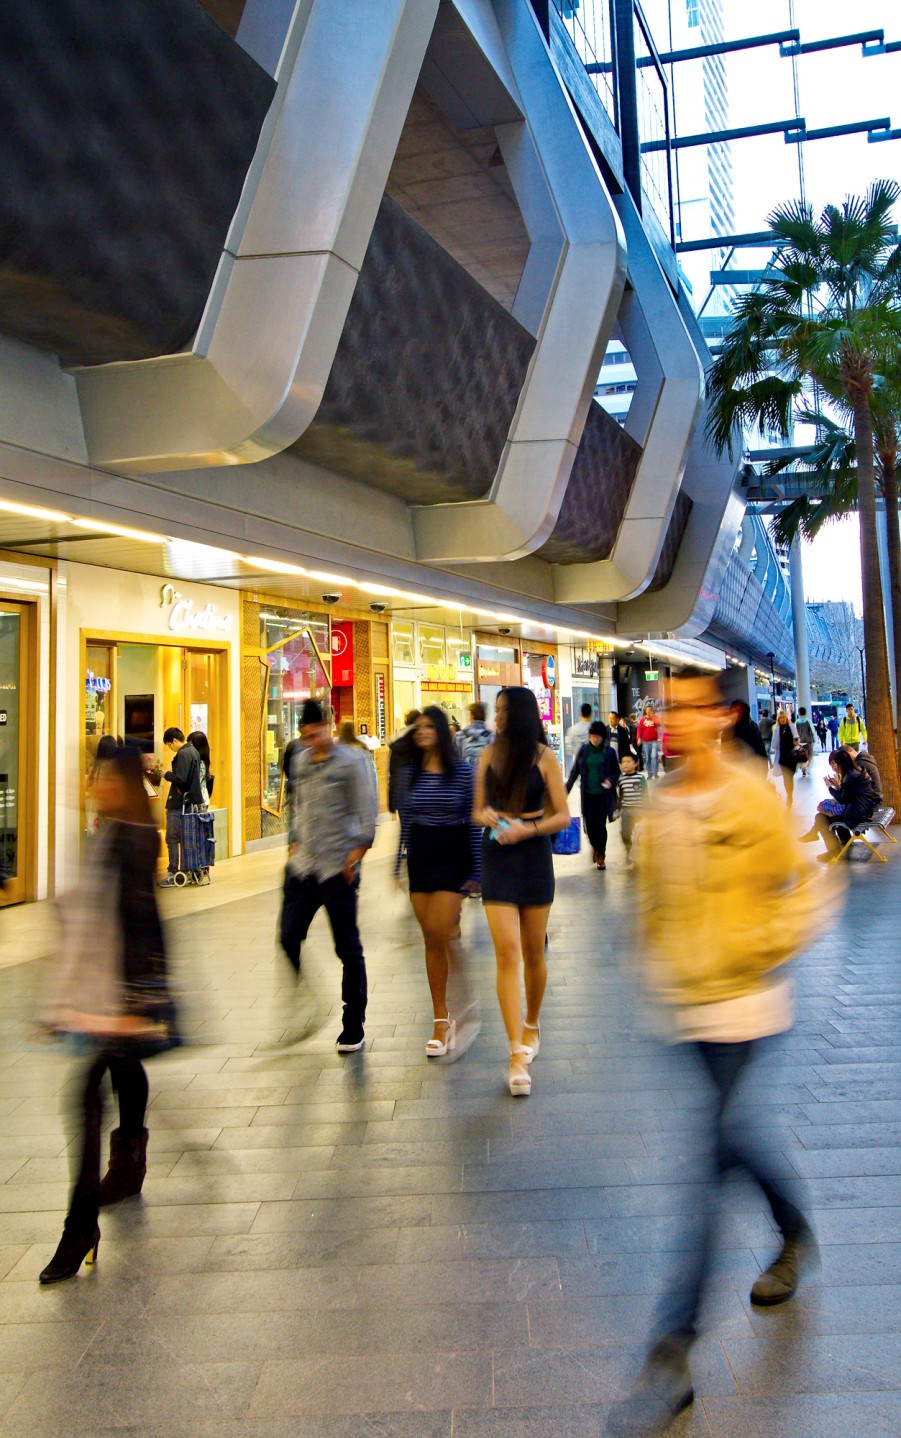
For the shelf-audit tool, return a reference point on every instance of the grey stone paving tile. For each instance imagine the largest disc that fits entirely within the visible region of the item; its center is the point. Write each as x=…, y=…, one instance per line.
x=846, y=1162
x=876, y=1415
x=463, y=1281
x=261, y=1291
x=652, y=1273
x=251, y=1161
x=330, y=1215
x=585, y=1420
x=586, y=1322
x=673, y=1233
x=544, y=1174
x=591, y=1375
x=10, y=1256
x=332, y=1111
x=407, y=1155
x=136, y=1256
x=11, y=1384
x=344, y=1182
x=490, y=1240
x=824, y=1309
x=121, y=1299
x=369, y=1425
x=323, y=1386
x=845, y=1363
x=179, y=1220
x=519, y=1207
x=27, y=1347
x=309, y=1250
x=862, y=1134
x=849, y=1265
x=95, y=1397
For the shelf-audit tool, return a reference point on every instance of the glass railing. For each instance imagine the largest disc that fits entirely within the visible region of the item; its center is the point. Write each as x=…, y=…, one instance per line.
x=590, y=27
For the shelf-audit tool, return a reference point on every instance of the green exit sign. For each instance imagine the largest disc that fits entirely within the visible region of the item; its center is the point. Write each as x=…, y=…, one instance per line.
x=465, y=661
x=650, y=674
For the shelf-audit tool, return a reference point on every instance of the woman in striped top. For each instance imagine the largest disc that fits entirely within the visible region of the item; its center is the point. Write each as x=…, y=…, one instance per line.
x=443, y=849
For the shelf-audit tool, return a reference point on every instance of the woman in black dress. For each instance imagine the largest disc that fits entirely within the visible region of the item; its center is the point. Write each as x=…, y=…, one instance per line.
x=111, y=993
x=521, y=801
x=784, y=754
x=443, y=856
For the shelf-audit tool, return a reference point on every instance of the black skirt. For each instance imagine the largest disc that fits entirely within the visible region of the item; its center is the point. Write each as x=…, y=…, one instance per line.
x=439, y=859
x=520, y=874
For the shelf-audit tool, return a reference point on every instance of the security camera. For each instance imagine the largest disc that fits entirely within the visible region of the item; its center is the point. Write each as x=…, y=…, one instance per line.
x=504, y=630
x=378, y=607
x=330, y=598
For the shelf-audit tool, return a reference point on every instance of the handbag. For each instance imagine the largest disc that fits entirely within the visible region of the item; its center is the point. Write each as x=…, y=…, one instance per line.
x=568, y=840
x=198, y=842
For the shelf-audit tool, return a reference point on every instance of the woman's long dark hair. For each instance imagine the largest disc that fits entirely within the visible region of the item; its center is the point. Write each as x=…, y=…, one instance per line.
x=515, y=752
x=446, y=751
x=840, y=759
x=201, y=743
x=127, y=764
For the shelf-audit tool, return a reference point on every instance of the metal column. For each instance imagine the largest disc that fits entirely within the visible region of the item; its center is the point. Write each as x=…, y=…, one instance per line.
x=799, y=626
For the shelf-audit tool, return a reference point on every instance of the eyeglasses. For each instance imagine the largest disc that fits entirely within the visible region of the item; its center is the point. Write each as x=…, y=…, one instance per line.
x=691, y=708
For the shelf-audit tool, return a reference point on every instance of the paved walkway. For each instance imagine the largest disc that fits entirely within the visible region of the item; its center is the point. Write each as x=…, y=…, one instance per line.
x=383, y=1247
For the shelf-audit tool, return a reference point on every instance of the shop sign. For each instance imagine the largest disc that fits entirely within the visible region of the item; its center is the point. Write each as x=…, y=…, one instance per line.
x=435, y=672
x=549, y=671
x=95, y=684
x=380, y=717
x=598, y=646
x=184, y=615
x=343, y=653
x=585, y=665
x=488, y=671
x=446, y=686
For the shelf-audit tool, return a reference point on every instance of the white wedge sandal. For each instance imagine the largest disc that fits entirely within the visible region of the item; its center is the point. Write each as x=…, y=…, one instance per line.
x=533, y=1047
x=435, y=1049
x=520, y=1083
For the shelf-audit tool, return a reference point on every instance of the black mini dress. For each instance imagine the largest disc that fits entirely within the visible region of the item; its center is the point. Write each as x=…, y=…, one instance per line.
x=518, y=874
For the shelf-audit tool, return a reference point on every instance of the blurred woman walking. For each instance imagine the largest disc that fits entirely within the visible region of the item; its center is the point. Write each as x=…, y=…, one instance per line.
x=521, y=801
x=111, y=993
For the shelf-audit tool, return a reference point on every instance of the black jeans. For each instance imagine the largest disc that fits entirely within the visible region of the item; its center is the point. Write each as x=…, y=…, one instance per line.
x=595, y=809
x=129, y=1079
x=734, y=1147
x=301, y=901
x=173, y=839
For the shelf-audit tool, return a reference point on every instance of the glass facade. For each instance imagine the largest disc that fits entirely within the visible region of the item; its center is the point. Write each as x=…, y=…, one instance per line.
x=296, y=649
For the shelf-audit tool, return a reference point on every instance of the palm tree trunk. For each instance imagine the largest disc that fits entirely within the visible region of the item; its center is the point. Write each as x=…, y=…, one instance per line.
x=881, y=737
x=889, y=488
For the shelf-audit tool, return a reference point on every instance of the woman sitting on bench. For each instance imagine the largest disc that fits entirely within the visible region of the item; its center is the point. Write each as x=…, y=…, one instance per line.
x=852, y=802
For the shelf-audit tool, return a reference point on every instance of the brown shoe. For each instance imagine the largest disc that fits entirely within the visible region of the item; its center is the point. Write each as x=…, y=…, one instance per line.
x=127, y=1168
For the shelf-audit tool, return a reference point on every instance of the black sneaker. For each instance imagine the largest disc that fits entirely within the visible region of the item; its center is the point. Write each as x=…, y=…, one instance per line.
x=349, y=1041
x=662, y=1392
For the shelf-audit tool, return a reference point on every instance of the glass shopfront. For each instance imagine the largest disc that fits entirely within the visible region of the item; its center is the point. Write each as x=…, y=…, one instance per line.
x=432, y=664
x=539, y=673
x=18, y=712
x=296, y=649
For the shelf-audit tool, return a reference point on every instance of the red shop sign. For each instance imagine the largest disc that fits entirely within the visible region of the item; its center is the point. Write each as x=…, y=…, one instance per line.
x=342, y=653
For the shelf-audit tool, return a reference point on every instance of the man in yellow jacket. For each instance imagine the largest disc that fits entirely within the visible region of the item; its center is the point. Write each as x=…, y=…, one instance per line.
x=852, y=729
x=726, y=899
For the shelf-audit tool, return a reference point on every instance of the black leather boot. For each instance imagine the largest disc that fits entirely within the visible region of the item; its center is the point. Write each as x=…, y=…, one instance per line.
x=78, y=1245
x=127, y=1167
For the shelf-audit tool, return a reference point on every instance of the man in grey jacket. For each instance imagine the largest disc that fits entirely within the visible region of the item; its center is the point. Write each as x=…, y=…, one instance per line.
x=332, y=826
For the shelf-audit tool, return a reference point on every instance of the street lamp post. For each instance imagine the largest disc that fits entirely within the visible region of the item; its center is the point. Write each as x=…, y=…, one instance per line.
x=861, y=649
x=772, y=663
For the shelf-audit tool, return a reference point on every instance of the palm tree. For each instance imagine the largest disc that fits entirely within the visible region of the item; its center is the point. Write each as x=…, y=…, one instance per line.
x=827, y=317
x=830, y=472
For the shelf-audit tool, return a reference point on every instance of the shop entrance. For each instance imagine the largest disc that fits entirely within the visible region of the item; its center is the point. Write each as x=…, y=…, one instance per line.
x=135, y=690
x=18, y=713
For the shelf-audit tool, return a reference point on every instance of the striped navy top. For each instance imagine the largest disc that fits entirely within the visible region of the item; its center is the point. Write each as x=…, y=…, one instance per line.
x=440, y=801
x=633, y=790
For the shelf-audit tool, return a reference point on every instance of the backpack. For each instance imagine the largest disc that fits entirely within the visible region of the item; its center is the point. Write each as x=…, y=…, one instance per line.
x=470, y=743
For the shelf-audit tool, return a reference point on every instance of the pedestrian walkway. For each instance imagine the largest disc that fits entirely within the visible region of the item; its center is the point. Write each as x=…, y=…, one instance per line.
x=381, y=1246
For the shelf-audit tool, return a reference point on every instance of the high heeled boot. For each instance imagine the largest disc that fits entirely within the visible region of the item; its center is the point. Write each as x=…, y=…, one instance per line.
x=78, y=1245
x=127, y=1167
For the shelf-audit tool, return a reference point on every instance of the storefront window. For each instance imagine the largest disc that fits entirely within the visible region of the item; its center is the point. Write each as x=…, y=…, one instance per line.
x=99, y=698
x=459, y=650
x=297, y=646
x=403, y=649
x=431, y=645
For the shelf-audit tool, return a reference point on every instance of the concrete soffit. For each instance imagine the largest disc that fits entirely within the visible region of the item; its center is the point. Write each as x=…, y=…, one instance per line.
x=577, y=250
x=662, y=419
x=254, y=377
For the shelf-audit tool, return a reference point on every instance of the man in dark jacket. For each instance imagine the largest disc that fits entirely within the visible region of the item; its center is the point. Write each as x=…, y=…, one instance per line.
x=185, y=790
x=401, y=753
x=865, y=761
x=744, y=730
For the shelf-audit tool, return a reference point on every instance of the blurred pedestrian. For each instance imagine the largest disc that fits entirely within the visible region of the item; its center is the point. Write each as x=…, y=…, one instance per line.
x=784, y=753
x=649, y=740
x=621, y=735
x=332, y=827
x=577, y=734
x=111, y=991
x=400, y=756
x=347, y=734
x=598, y=770
x=443, y=849
x=806, y=741
x=201, y=745
x=725, y=902
x=521, y=800
x=821, y=733
x=743, y=735
x=832, y=726
x=633, y=796
x=184, y=792
x=470, y=742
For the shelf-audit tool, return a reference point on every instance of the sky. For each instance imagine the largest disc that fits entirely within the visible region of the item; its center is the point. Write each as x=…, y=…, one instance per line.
x=835, y=88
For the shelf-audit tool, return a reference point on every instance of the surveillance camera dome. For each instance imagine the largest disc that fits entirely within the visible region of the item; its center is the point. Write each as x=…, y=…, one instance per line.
x=503, y=630
x=330, y=598
x=378, y=607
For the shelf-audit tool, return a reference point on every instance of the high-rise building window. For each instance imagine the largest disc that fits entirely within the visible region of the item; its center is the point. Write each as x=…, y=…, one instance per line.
x=693, y=11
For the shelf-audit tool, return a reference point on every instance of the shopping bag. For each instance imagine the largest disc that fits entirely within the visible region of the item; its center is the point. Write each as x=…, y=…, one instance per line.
x=198, y=842
x=569, y=840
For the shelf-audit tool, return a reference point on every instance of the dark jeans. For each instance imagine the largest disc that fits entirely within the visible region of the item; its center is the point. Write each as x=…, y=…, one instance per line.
x=301, y=901
x=173, y=839
x=734, y=1147
x=595, y=809
x=129, y=1079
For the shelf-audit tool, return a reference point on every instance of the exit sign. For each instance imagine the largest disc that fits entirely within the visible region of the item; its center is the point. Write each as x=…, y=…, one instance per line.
x=650, y=674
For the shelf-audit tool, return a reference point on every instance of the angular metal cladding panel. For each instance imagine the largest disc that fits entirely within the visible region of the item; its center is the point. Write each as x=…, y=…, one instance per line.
x=127, y=130
x=426, y=377
x=672, y=543
x=597, y=493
